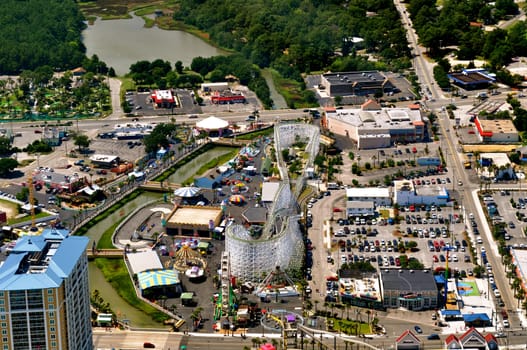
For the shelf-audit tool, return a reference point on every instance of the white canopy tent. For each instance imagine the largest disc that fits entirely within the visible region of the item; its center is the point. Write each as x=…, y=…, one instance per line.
x=212, y=123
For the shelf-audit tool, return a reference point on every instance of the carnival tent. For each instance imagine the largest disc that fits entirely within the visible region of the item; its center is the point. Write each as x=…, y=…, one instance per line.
x=237, y=199
x=187, y=192
x=158, y=278
x=212, y=123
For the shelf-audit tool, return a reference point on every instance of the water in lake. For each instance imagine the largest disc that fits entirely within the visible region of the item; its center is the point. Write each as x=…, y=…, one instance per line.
x=123, y=42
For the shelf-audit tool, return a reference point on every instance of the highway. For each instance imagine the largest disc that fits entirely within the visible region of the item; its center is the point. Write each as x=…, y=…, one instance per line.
x=468, y=191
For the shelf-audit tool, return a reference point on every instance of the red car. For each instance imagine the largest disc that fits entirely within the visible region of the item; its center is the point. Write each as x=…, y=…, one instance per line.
x=436, y=259
x=337, y=210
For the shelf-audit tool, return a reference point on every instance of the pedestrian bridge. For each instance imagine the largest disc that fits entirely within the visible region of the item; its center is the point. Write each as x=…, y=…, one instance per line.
x=105, y=253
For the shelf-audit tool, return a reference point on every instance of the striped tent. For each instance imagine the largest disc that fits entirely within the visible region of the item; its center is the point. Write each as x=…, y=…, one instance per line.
x=157, y=278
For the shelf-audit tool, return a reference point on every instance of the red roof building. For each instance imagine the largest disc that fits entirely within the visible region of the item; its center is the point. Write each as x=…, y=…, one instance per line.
x=471, y=339
x=407, y=341
x=163, y=98
x=227, y=97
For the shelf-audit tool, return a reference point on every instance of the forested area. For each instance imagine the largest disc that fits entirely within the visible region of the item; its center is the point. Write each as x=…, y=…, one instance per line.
x=458, y=23
x=40, y=32
x=297, y=36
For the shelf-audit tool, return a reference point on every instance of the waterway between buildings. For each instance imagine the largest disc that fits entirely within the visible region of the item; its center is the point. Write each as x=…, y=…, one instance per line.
x=97, y=281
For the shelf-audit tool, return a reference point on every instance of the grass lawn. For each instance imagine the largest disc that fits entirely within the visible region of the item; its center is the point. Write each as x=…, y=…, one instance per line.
x=349, y=327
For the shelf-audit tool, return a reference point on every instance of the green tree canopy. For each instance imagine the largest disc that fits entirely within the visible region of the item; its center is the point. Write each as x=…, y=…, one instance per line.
x=40, y=32
x=159, y=137
x=7, y=165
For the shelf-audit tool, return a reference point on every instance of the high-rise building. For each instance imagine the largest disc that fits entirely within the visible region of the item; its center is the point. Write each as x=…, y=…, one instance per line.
x=45, y=295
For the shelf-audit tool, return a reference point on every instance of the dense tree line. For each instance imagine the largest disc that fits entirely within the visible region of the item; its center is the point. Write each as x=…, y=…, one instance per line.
x=457, y=23
x=40, y=32
x=296, y=36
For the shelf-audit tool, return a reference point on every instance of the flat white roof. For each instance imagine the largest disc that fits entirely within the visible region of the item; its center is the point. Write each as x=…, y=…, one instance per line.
x=269, y=190
x=368, y=192
x=143, y=261
x=520, y=260
x=163, y=94
x=498, y=159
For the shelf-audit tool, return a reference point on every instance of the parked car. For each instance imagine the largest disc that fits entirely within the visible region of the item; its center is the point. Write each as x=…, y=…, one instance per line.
x=418, y=329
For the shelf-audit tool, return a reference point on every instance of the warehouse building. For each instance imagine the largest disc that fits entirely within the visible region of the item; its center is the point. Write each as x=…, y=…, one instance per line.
x=406, y=194
x=500, y=131
x=380, y=196
x=356, y=83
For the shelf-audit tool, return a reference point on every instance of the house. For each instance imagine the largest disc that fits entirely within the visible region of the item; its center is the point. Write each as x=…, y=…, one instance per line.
x=407, y=341
x=471, y=339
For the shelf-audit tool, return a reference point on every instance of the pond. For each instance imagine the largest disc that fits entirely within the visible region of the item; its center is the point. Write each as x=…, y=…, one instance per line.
x=120, y=43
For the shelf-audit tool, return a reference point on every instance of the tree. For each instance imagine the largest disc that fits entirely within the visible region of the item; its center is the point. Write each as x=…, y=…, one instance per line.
x=179, y=67
x=23, y=195
x=7, y=165
x=5, y=146
x=82, y=141
x=159, y=137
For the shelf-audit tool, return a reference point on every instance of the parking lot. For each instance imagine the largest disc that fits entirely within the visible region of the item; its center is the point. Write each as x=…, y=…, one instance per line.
x=429, y=234
x=511, y=212
x=141, y=104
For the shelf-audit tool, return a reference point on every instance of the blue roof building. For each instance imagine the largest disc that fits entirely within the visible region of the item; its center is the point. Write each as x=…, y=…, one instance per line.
x=44, y=293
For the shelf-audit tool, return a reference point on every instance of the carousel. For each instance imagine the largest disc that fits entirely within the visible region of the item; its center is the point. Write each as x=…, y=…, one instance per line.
x=190, y=262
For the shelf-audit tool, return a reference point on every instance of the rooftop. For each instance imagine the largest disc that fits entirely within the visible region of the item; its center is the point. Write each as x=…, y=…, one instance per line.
x=498, y=126
x=369, y=192
x=354, y=77
x=44, y=261
x=381, y=120
x=432, y=191
x=194, y=215
x=408, y=280
x=360, y=204
x=498, y=159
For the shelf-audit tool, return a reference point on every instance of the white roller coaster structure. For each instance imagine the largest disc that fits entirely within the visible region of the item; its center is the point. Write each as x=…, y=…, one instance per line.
x=281, y=242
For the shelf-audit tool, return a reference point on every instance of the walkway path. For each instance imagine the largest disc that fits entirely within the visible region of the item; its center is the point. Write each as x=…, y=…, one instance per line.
x=278, y=100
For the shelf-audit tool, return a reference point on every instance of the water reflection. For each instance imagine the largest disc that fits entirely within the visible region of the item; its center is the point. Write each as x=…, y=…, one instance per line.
x=123, y=42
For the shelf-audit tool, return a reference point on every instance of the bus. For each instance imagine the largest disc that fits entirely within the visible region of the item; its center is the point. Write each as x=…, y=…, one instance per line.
x=333, y=186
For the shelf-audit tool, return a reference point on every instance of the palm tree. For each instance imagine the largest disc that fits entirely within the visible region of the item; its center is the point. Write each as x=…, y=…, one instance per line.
x=520, y=294
x=524, y=305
